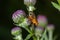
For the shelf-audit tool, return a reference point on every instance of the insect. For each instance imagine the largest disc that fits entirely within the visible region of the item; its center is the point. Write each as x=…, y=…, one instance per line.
x=32, y=18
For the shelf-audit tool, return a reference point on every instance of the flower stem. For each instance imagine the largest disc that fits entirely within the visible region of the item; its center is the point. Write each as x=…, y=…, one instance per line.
x=44, y=35
x=50, y=35
x=38, y=38
x=28, y=30
x=34, y=38
x=31, y=8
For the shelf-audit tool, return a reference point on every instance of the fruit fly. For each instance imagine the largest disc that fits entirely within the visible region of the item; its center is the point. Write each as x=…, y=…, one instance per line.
x=32, y=18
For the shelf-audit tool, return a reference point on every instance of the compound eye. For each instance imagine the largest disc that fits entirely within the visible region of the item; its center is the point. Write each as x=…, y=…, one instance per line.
x=30, y=14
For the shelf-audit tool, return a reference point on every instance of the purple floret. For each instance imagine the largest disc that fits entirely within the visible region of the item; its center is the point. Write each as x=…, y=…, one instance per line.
x=41, y=18
x=50, y=27
x=18, y=13
x=15, y=29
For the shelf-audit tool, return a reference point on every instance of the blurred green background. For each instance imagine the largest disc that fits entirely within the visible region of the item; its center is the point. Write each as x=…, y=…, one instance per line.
x=7, y=7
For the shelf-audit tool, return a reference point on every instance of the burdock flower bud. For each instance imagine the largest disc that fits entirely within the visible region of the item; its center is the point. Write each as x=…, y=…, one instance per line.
x=29, y=2
x=16, y=31
x=42, y=20
x=39, y=31
x=18, y=16
x=50, y=27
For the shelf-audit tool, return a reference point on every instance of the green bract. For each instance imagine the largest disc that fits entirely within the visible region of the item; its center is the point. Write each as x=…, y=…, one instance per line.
x=16, y=31
x=29, y=2
x=18, y=16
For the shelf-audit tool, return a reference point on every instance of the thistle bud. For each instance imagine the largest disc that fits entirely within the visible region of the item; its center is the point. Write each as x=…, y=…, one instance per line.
x=25, y=23
x=42, y=20
x=50, y=27
x=29, y=2
x=18, y=16
x=16, y=31
x=39, y=31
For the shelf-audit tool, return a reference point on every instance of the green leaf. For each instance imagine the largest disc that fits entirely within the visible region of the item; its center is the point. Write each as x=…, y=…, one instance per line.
x=56, y=5
x=58, y=1
x=25, y=27
x=28, y=36
x=44, y=36
x=18, y=37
